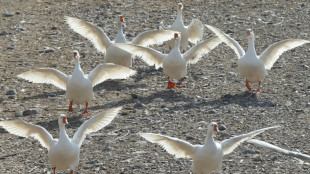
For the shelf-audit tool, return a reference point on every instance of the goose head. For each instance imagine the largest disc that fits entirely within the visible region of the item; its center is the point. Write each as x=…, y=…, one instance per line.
x=180, y=7
x=62, y=120
x=120, y=20
x=177, y=38
x=120, y=38
x=250, y=34
x=76, y=56
x=251, y=46
x=213, y=127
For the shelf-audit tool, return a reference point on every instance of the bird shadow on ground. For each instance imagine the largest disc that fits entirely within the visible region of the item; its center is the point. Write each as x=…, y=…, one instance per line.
x=74, y=122
x=45, y=95
x=243, y=99
x=147, y=72
x=117, y=85
x=169, y=95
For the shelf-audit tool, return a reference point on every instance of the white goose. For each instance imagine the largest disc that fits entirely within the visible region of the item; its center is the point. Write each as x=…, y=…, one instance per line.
x=174, y=64
x=102, y=42
x=192, y=33
x=254, y=67
x=78, y=86
x=264, y=144
x=63, y=153
x=207, y=158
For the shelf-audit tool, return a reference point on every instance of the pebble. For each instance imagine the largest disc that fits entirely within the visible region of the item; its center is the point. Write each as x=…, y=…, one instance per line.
x=8, y=14
x=18, y=114
x=229, y=31
x=29, y=112
x=107, y=149
x=139, y=165
x=134, y=96
x=54, y=28
x=110, y=127
x=222, y=127
x=158, y=100
x=11, y=92
x=50, y=95
x=212, y=111
x=3, y=33
x=249, y=151
x=165, y=110
x=190, y=138
x=111, y=104
x=47, y=50
x=139, y=105
x=10, y=48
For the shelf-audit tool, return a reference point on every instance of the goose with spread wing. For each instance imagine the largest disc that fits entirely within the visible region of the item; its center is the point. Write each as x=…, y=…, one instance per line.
x=254, y=67
x=207, y=158
x=192, y=33
x=174, y=64
x=78, y=86
x=63, y=153
x=103, y=43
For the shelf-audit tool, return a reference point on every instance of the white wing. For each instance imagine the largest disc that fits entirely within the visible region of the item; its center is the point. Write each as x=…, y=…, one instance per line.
x=26, y=130
x=106, y=71
x=149, y=55
x=46, y=75
x=228, y=40
x=195, y=31
x=196, y=52
x=94, y=124
x=90, y=31
x=174, y=146
x=230, y=144
x=274, y=51
x=264, y=144
x=148, y=38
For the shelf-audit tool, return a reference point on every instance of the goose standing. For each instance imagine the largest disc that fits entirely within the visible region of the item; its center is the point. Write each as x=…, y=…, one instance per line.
x=102, y=42
x=192, y=33
x=78, y=86
x=264, y=144
x=254, y=67
x=207, y=158
x=174, y=64
x=63, y=153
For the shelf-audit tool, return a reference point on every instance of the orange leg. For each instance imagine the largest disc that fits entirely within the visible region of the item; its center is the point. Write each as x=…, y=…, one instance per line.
x=181, y=85
x=248, y=85
x=71, y=172
x=70, y=106
x=171, y=84
x=258, y=89
x=54, y=169
x=85, y=111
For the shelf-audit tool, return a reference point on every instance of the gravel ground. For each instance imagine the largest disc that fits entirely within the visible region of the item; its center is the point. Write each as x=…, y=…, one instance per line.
x=33, y=34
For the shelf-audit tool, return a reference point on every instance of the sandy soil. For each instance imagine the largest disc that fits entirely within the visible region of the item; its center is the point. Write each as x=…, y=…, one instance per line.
x=214, y=89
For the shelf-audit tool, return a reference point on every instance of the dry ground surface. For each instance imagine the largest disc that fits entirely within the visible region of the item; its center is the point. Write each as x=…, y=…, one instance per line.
x=214, y=89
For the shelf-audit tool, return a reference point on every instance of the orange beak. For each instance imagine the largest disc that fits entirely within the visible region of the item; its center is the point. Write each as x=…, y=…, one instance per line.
x=64, y=120
x=215, y=128
x=74, y=54
x=180, y=6
x=122, y=18
x=248, y=32
x=176, y=35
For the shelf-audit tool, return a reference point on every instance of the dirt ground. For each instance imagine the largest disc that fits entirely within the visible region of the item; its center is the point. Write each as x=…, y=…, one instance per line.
x=33, y=34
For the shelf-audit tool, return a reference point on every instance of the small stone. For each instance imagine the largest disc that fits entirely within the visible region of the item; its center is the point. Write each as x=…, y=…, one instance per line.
x=232, y=74
x=111, y=104
x=50, y=95
x=257, y=157
x=29, y=112
x=134, y=96
x=10, y=48
x=190, y=138
x=11, y=97
x=107, y=149
x=11, y=92
x=288, y=103
x=8, y=14
x=158, y=100
x=139, y=165
x=99, y=164
x=47, y=50
x=139, y=105
x=249, y=151
x=229, y=31
x=274, y=158
x=221, y=127
x=54, y=28
x=165, y=110
x=212, y=111
x=110, y=127
x=90, y=162
x=18, y=114
x=3, y=33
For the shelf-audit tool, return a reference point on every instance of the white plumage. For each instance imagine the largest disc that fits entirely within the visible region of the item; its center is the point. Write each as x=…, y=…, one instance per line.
x=103, y=44
x=63, y=153
x=207, y=158
x=78, y=86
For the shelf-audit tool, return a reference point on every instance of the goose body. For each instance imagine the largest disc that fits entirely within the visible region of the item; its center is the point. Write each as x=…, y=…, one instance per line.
x=78, y=86
x=174, y=64
x=63, y=153
x=252, y=67
x=206, y=158
x=103, y=43
x=192, y=33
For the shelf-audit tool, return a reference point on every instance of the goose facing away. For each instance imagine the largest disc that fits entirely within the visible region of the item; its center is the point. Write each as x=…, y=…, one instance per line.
x=174, y=64
x=192, y=33
x=206, y=158
x=103, y=43
x=252, y=67
x=63, y=153
x=78, y=86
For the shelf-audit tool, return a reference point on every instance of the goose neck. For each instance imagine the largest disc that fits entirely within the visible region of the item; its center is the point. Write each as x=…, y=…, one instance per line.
x=209, y=137
x=62, y=133
x=179, y=16
x=251, y=45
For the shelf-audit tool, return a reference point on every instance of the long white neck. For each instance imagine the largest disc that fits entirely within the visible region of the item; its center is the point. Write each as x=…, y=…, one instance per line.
x=62, y=134
x=77, y=67
x=177, y=45
x=209, y=137
x=179, y=16
x=251, y=45
x=120, y=35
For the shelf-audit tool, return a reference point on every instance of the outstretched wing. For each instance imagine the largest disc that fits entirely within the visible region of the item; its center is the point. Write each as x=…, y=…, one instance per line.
x=228, y=40
x=148, y=38
x=196, y=52
x=149, y=55
x=230, y=144
x=26, y=130
x=174, y=146
x=94, y=124
x=274, y=51
x=90, y=31
x=46, y=75
x=195, y=31
x=264, y=144
x=106, y=71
